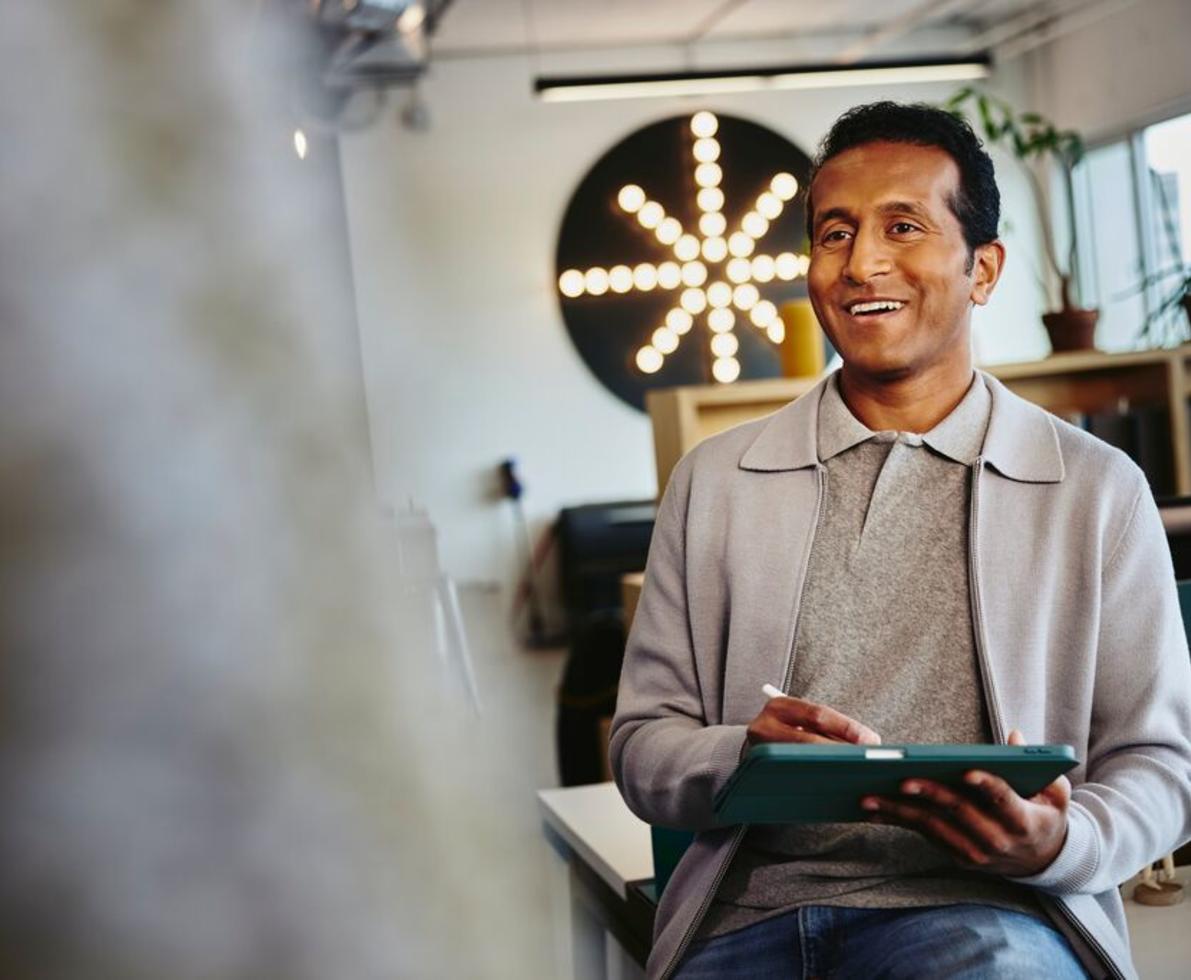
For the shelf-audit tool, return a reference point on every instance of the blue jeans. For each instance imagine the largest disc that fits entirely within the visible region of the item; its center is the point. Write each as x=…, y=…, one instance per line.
x=951, y=941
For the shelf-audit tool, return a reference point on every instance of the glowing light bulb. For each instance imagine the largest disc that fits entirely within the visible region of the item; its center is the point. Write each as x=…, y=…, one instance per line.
x=745, y=296
x=713, y=224
x=649, y=359
x=804, y=263
x=763, y=314
x=776, y=331
x=740, y=270
x=570, y=283
x=786, y=266
x=707, y=150
x=704, y=124
x=784, y=185
x=724, y=344
x=740, y=244
x=694, y=274
x=651, y=214
x=301, y=145
x=645, y=276
x=669, y=275
x=669, y=231
x=754, y=225
x=708, y=175
x=721, y=320
x=763, y=268
x=630, y=198
x=719, y=294
x=687, y=248
x=769, y=205
x=665, y=340
x=693, y=300
x=710, y=199
x=714, y=249
x=620, y=278
x=679, y=320
x=596, y=281
x=725, y=370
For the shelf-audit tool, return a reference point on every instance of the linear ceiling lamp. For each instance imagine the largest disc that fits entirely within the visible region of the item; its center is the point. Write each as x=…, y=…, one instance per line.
x=577, y=88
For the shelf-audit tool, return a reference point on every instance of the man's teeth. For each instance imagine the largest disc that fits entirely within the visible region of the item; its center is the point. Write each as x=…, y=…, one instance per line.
x=879, y=306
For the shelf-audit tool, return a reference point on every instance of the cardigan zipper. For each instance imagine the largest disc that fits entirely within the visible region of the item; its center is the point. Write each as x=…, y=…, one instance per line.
x=1073, y=920
x=788, y=677
x=986, y=677
x=734, y=844
x=990, y=693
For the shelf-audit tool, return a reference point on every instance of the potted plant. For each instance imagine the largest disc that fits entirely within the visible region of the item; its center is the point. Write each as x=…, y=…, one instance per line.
x=1030, y=137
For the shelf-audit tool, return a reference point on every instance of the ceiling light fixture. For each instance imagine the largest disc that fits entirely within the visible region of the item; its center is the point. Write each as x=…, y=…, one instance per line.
x=580, y=88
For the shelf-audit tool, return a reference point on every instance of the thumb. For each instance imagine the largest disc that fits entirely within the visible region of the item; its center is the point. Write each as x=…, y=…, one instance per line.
x=1057, y=794
x=1016, y=738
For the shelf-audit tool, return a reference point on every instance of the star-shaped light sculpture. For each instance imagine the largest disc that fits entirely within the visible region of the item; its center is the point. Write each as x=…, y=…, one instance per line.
x=715, y=274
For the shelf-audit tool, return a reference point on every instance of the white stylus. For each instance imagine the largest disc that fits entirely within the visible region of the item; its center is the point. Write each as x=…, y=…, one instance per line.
x=772, y=692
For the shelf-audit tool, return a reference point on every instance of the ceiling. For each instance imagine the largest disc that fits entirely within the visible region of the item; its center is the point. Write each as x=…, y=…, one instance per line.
x=488, y=27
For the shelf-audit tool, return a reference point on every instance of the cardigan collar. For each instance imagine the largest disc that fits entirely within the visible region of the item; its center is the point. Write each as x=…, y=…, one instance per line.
x=1021, y=442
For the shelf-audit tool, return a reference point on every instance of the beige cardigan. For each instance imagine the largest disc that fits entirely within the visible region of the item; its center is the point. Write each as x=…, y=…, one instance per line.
x=1077, y=626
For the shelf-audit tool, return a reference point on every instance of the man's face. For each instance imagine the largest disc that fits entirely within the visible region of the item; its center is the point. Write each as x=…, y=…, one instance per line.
x=884, y=234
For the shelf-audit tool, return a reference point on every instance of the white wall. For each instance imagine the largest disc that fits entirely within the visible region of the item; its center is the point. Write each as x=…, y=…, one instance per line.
x=466, y=357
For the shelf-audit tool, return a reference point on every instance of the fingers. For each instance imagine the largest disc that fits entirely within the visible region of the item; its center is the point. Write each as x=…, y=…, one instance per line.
x=999, y=799
x=822, y=720
x=983, y=830
x=1016, y=738
x=767, y=727
x=933, y=825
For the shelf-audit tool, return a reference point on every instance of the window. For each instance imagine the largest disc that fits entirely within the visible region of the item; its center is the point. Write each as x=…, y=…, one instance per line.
x=1132, y=200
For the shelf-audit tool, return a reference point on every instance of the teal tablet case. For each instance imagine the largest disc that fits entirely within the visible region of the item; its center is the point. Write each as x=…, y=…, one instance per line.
x=781, y=782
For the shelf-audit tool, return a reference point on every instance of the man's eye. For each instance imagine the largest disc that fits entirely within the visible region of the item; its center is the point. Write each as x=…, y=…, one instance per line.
x=835, y=235
x=903, y=228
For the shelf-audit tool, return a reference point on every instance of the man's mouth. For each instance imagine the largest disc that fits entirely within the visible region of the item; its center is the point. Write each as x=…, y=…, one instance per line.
x=873, y=307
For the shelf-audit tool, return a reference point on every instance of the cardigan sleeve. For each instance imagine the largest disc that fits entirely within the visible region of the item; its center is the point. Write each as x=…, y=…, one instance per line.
x=666, y=759
x=1135, y=804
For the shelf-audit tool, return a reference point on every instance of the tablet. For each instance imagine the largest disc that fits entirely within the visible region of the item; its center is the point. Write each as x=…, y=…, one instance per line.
x=789, y=782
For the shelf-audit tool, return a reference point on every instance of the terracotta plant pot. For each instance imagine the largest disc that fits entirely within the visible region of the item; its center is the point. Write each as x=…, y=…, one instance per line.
x=1071, y=329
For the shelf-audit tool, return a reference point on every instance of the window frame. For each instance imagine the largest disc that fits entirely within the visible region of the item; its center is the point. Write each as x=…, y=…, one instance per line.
x=1082, y=214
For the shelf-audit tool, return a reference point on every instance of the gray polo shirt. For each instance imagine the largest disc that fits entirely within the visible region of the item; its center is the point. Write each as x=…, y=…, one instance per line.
x=885, y=636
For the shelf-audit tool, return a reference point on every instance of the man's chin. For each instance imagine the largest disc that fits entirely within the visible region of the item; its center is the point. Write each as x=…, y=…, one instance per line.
x=877, y=365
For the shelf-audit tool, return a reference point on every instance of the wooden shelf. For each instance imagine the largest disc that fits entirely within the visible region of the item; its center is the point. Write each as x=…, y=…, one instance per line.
x=1086, y=382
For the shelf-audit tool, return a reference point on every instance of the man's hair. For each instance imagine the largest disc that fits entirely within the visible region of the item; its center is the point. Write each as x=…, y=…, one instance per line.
x=977, y=203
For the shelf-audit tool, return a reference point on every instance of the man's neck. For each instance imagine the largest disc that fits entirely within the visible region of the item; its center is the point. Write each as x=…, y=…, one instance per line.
x=913, y=404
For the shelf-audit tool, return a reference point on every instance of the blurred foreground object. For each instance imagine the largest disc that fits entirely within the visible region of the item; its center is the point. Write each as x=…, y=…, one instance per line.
x=222, y=757
x=431, y=601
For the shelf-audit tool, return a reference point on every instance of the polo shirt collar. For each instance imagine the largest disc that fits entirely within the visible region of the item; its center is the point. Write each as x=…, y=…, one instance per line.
x=1022, y=442
x=959, y=436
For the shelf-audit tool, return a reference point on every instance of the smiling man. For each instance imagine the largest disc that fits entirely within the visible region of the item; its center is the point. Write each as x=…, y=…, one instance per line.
x=916, y=555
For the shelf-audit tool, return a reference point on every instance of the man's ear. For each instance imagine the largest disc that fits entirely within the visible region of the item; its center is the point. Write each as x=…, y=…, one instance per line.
x=988, y=262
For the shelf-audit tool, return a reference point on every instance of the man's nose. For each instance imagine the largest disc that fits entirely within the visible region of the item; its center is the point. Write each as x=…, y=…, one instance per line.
x=867, y=257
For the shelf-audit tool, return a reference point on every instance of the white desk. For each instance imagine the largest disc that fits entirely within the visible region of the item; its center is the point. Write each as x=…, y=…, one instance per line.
x=596, y=824
x=592, y=824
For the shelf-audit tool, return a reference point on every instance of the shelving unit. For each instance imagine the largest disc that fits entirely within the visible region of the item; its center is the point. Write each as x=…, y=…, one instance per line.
x=1085, y=382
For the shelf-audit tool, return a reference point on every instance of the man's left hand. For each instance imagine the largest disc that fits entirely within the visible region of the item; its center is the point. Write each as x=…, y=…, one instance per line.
x=989, y=828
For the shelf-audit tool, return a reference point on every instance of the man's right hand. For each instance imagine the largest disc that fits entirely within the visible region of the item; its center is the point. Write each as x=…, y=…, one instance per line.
x=787, y=719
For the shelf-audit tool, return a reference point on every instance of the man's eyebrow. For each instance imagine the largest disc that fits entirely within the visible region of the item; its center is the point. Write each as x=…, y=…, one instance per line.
x=831, y=214
x=904, y=207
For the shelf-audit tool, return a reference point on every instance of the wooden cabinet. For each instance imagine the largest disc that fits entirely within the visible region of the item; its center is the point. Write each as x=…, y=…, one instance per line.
x=1085, y=382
